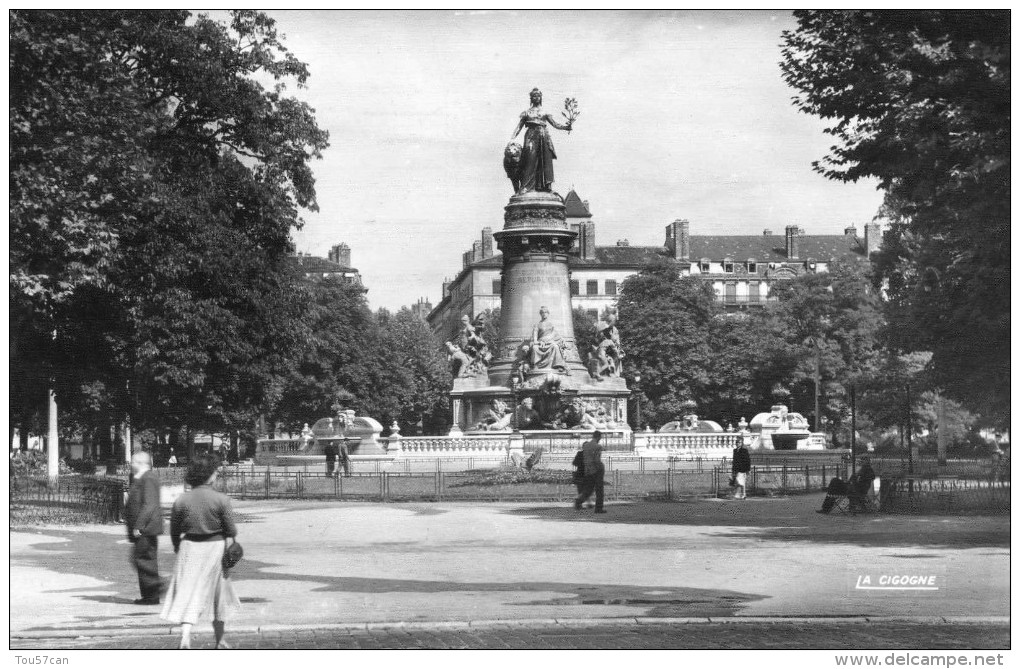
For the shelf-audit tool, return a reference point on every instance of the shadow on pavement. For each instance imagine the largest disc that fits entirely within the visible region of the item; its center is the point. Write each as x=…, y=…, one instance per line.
x=78, y=554
x=792, y=519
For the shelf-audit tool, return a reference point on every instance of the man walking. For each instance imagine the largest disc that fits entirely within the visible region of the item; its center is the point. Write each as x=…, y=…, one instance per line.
x=741, y=465
x=144, y=518
x=594, y=473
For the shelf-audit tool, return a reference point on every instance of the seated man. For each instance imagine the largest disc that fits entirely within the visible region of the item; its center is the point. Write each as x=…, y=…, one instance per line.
x=855, y=489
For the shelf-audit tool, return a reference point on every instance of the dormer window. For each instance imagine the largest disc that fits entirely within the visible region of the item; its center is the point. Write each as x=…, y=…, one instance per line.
x=811, y=264
x=728, y=265
x=703, y=266
x=752, y=267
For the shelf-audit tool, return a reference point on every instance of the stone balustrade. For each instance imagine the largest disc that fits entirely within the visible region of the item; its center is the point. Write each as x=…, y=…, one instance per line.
x=472, y=445
x=280, y=445
x=704, y=444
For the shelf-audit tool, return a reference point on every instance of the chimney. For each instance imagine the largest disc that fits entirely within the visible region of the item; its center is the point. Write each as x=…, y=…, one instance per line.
x=622, y=242
x=446, y=287
x=681, y=234
x=476, y=251
x=467, y=258
x=486, y=242
x=792, y=232
x=341, y=254
x=587, y=239
x=767, y=233
x=872, y=238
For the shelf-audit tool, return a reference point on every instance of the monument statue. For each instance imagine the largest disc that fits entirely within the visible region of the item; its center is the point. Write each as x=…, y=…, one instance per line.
x=460, y=363
x=606, y=359
x=545, y=350
x=534, y=160
x=470, y=341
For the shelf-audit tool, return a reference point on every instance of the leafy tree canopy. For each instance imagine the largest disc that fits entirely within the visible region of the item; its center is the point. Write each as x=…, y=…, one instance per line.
x=154, y=182
x=920, y=100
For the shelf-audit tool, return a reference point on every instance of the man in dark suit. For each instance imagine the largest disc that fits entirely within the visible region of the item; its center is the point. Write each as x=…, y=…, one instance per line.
x=741, y=467
x=331, y=452
x=144, y=518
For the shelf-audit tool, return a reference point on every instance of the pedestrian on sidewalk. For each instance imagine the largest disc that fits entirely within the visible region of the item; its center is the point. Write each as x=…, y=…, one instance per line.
x=144, y=519
x=594, y=473
x=741, y=466
x=201, y=523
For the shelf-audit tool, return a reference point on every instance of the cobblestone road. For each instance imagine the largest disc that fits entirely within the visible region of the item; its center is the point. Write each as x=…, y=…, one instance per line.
x=732, y=635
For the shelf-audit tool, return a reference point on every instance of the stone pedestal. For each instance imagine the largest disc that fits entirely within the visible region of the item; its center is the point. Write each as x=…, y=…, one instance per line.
x=535, y=242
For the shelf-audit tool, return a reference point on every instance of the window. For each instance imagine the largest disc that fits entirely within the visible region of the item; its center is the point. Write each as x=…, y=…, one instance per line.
x=731, y=292
x=497, y=286
x=610, y=287
x=574, y=287
x=752, y=267
x=753, y=292
x=728, y=266
x=593, y=287
x=703, y=266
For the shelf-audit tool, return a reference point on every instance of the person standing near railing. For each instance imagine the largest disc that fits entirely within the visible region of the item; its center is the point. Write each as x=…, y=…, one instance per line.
x=594, y=473
x=741, y=466
x=330, y=452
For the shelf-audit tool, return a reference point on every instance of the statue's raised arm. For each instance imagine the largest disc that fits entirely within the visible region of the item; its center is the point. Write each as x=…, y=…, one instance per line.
x=530, y=166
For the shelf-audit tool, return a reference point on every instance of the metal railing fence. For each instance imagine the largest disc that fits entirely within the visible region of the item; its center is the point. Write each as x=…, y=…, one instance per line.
x=73, y=500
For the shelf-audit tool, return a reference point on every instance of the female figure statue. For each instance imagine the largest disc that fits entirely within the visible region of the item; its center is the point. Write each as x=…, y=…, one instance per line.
x=537, y=153
x=545, y=350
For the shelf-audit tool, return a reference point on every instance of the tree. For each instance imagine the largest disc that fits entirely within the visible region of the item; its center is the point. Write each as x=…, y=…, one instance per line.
x=664, y=323
x=832, y=323
x=920, y=100
x=416, y=352
x=154, y=182
x=337, y=359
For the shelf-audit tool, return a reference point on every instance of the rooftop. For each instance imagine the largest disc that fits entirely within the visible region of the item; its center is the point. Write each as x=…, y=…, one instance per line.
x=575, y=206
x=315, y=265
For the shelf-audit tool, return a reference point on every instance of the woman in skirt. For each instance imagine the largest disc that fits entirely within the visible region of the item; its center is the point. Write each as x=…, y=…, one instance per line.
x=200, y=525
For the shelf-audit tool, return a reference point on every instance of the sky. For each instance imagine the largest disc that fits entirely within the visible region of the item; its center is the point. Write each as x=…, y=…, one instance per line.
x=683, y=115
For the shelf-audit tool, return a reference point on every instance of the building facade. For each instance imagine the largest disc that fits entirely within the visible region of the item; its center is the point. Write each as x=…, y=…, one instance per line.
x=741, y=268
x=336, y=265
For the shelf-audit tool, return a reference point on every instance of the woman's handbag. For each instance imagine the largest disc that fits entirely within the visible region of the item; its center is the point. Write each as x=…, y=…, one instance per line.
x=232, y=554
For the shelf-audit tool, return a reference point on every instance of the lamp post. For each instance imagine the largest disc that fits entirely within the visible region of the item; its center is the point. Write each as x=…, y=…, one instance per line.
x=637, y=390
x=910, y=443
x=514, y=385
x=818, y=378
x=853, y=429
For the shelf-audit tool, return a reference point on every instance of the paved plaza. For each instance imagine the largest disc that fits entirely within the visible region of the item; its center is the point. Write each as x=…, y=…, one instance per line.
x=398, y=575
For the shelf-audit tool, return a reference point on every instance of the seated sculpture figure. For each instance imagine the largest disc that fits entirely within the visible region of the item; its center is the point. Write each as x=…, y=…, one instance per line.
x=593, y=416
x=545, y=350
x=498, y=417
x=527, y=417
